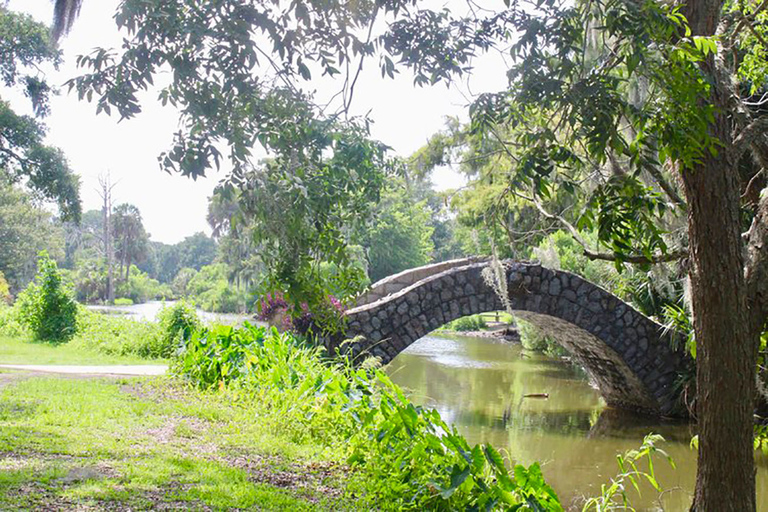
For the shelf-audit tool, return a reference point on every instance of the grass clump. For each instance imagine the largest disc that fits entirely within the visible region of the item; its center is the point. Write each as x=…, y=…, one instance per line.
x=116, y=335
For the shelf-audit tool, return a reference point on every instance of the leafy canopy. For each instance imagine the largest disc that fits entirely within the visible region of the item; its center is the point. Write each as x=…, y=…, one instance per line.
x=24, y=157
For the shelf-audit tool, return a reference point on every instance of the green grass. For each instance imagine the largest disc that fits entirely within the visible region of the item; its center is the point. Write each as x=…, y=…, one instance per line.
x=22, y=350
x=503, y=317
x=151, y=443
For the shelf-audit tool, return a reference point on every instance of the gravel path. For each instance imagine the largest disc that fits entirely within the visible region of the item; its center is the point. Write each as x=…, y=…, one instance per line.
x=89, y=370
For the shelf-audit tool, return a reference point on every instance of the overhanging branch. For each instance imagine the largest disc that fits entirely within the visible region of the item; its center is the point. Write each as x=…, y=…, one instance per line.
x=604, y=256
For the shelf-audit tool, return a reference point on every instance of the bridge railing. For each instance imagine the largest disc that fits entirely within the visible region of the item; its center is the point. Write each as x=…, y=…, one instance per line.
x=396, y=282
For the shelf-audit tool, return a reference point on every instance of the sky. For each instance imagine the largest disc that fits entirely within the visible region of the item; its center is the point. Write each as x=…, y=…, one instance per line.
x=174, y=207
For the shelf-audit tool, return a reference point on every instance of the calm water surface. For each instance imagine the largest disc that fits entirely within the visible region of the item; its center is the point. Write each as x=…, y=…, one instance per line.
x=149, y=310
x=479, y=385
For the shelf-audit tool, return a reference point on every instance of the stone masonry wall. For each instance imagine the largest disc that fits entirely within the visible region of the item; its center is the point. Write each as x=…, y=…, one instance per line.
x=395, y=283
x=627, y=355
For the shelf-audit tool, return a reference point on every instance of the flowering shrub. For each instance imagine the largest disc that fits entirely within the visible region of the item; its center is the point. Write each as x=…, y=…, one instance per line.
x=271, y=305
x=325, y=317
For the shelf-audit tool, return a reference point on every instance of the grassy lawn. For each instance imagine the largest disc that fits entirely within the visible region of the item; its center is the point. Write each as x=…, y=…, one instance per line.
x=18, y=350
x=133, y=444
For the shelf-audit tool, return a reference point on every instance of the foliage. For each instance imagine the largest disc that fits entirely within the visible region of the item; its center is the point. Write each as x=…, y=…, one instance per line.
x=467, y=323
x=5, y=290
x=139, y=287
x=48, y=306
x=177, y=324
x=123, y=301
x=25, y=47
x=677, y=318
x=90, y=280
x=120, y=336
x=405, y=456
x=25, y=230
x=130, y=237
x=400, y=235
x=761, y=439
x=614, y=496
x=534, y=339
x=212, y=291
x=323, y=172
x=567, y=254
x=10, y=321
x=117, y=335
x=326, y=317
x=181, y=281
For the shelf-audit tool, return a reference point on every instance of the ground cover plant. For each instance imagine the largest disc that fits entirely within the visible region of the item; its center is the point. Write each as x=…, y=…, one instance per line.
x=402, y=456
x=138, y=444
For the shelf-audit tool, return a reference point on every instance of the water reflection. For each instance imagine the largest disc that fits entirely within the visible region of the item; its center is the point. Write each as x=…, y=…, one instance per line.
x=480, y=385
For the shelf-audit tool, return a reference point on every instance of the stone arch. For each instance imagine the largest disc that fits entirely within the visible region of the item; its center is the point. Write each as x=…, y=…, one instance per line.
x=396, y=282
x=627, y=355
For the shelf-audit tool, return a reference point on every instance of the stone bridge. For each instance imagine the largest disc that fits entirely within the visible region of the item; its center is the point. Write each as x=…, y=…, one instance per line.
x=627, y=355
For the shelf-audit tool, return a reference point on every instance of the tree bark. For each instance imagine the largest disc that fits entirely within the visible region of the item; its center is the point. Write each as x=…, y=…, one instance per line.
x=726, y=343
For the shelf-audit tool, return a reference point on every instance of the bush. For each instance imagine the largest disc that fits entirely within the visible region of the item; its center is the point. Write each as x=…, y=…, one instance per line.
x=403, y=456
x=327, y=316
x=467, y=323
x=5, y=290
x=123, y=301
x=211, y=289
x=140, y=287
x=118, y=335
x=176, y=324
x=10, y=322
x=48, y=306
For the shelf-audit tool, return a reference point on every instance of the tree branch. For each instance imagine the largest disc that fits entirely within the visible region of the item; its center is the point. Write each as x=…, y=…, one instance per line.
x=604, y=256
x=756, y=270
x=748, y=136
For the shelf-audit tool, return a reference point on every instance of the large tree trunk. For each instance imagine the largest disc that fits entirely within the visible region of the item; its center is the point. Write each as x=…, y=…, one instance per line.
x=726, y=343
x=726, y=334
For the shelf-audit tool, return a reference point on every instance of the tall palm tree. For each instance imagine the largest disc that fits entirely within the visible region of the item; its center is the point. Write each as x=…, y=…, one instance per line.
x=64, y=14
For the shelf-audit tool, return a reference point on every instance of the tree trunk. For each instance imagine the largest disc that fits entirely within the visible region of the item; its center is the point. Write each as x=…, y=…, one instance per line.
x=726, y=355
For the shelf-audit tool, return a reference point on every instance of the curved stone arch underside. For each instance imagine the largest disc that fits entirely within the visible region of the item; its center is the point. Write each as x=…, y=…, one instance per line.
x=627, y=355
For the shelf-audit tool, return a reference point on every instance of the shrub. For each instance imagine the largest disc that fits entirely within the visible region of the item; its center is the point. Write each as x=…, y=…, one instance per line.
x=10, y=322
x=5, y=290
x=212, y=291
x=48, y=306
x=404, y=456
x=139, y=287
x=176, y=323
x=123, y=301
x=118, y=335
x=326, y=316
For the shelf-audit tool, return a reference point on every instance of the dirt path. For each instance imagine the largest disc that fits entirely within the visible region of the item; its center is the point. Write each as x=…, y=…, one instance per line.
x=134, y=370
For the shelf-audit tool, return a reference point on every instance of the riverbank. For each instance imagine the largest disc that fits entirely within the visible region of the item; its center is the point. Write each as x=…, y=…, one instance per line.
x=502, y=332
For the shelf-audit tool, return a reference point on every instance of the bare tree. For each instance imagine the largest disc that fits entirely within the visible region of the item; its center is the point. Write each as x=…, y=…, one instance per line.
x=105, y=191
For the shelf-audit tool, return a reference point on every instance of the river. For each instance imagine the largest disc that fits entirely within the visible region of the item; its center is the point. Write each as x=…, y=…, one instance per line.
x=149, y=310
x=479, y=385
